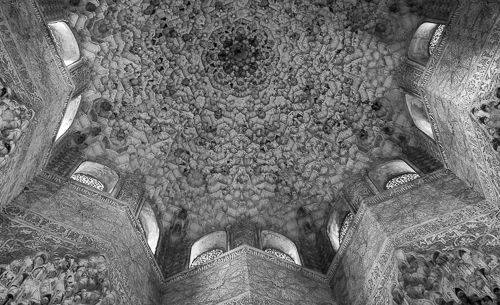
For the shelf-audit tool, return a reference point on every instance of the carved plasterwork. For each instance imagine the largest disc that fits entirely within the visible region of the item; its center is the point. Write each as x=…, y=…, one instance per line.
x=480, y=233
x=14, y=121
x=410, y=74
x=37, y=76
x=460, y=275
x=459, y=77
x=242, y=251
x=244, y=275
x=382, y=269
x=252, y=108
x=44, y=279
x=38, y=232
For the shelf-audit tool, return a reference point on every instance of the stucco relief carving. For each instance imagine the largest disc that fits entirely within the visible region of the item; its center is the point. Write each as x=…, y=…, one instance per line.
x=477, y=233
x=224, y=127
x=42, y=280
x=462, y=276
x=488, y=117
x=14, y=121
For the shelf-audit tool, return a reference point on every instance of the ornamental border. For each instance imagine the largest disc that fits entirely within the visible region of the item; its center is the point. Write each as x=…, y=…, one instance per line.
x=251, y=299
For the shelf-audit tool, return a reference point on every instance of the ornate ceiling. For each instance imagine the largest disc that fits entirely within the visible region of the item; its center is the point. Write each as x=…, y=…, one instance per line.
x=244, y=108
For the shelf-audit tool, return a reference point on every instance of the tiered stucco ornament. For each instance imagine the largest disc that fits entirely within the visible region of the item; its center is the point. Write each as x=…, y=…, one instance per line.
x=462, y=275
x=42, y=279
x=14, y=121
x=243, y=108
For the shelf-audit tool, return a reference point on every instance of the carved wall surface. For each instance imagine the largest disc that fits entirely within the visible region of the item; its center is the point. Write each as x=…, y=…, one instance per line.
x=76, y=219
x=35, y=73
x=248, y=276
x=69, y=279
x=403, y=215
x=462, y=258
x=460, y=76
x=460, y=276
x=313, y=245
x=428, y=145
x=15, y=119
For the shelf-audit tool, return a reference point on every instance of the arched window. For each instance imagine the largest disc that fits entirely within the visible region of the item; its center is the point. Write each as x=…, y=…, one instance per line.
x=66, y=42
x=88, y=180
x=344, y=227
x=280, y=246
x=96, y=175
x=337, y=225
x=418, y=115
x=69, y=116
x=205, y=257
x=279, y=254
x=149, y=223
x=208, y=248
x=424, y=42
x=392, y=174
x=400, y=180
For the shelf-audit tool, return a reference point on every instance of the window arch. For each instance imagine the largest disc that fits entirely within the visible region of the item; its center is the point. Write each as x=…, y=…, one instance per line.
x=66, y=42
x=400, y=180
x=280, y=246
x=336, y=222
x=208, y=248
x=418, y=114
x=207, y=256
x=392, y=174
x=424, y=42
x=345, y=225
x=149, y=223
x=69, y=116
x=88, y=180
x=96, y=175
x=279, y=254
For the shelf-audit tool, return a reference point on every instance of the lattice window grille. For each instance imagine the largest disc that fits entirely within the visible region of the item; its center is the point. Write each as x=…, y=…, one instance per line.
x=400, y=180
x=279, y=254
x=344, y=227
x=205, y=257
x=88, y=180
x=435, y=38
